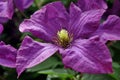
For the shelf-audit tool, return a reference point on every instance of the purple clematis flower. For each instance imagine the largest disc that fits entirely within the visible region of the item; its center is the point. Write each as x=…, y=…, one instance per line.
x=7, y=54
x=6, y=10
x=23, y=4
x=114, y=10
x=78, y=36
x=91, y=4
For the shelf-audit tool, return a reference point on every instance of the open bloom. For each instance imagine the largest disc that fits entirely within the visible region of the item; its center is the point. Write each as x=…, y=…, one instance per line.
x=7, y=54
x=7, y=8
x=114, y=10
x=23, y=4
x=78, y=36
x=91, y=4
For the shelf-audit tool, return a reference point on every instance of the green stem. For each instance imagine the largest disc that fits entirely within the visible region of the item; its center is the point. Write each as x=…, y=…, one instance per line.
x=23, y=14
x=37, y=5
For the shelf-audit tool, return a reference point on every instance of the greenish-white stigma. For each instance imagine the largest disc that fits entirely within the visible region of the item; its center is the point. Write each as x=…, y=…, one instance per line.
x=63, y=35
x=63, y=38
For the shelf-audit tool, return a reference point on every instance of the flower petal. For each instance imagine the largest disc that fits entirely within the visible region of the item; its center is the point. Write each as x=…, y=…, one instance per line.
x=91, y=4
x=110, y=29
x=32, y=53
x=6, y=10
x=88, y=56
x=23, y=4
x=1, y=28
x=87, y=24
x=46, y=22
x=7, y=55
x=115, y=9
x=75, y=14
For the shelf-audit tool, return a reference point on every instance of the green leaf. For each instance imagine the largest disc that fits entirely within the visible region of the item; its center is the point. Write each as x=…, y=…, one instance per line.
x=116, y=73
x=97, y=77
x=51, y=62
x=116, y=44
x=115, y=65
x=114, y=76
x=62, y=73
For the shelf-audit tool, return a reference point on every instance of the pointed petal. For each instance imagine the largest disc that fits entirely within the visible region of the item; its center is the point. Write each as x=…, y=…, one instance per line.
x=75, y=14
x=87, y=24
x=23, y=4
x=1, y=28
x=46, y=22
x=115, y=9
x=7, y=55
x=32, y=53
x=6, y=10
x=91, y=4
x=110, y=29
x=88, y=56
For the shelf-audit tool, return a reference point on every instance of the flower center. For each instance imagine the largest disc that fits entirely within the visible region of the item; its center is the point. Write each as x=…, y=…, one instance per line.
x=63, y=38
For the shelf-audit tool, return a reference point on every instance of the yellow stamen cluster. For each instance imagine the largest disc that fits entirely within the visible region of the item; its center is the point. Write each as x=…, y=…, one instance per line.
x=63, y=38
